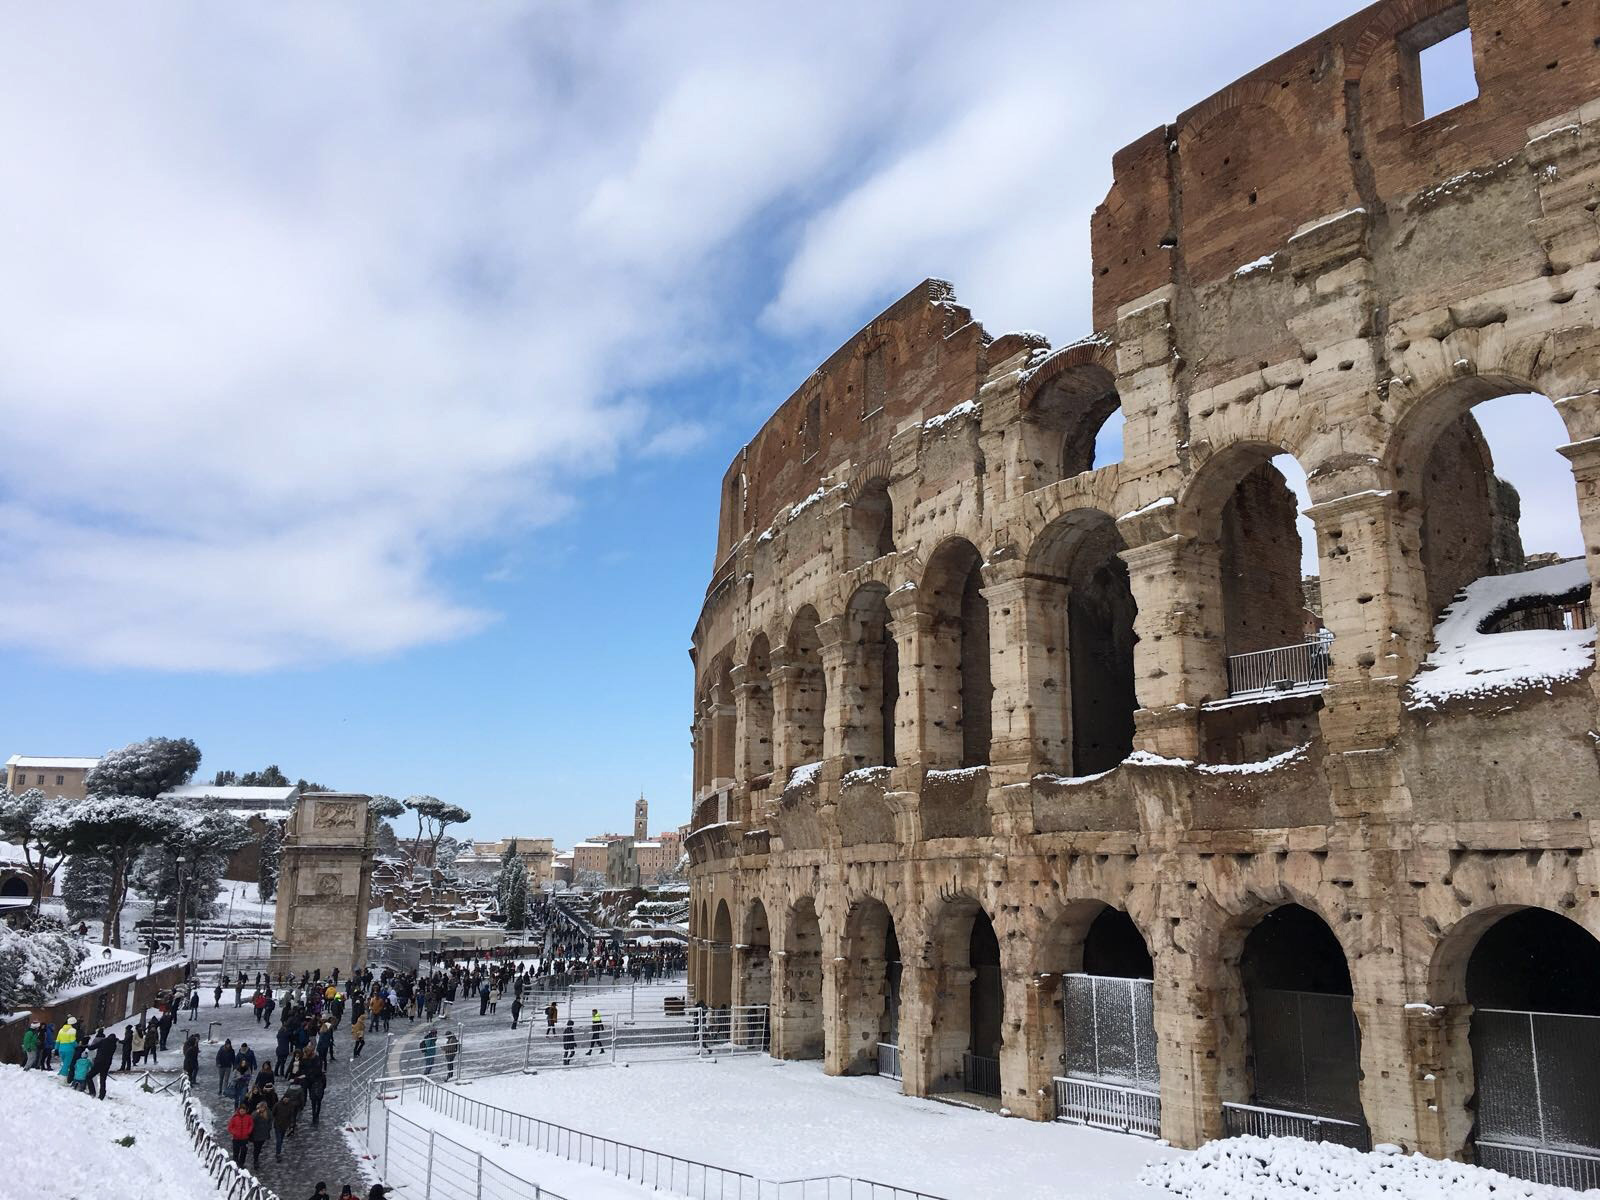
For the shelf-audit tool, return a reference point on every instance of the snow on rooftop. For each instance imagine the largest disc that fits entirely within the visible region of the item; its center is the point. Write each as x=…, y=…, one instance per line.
x=211, y=791
x=1470, y=663
x=71, y=764
x=1292, y=1169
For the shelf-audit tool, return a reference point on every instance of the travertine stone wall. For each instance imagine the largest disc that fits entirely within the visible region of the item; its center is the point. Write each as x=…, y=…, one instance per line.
x=1411, y=269
x=325, y=883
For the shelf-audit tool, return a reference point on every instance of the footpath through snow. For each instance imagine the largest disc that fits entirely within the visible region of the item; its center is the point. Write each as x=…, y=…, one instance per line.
x=59, y=1144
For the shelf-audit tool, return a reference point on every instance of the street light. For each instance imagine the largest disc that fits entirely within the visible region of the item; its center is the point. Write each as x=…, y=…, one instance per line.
x=178, y=940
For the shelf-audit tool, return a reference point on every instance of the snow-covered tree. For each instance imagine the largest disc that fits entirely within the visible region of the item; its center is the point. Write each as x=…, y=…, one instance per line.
x=582, y=877
x=388, y=843
x=24, y=822
x=516, y=893
x=144, y=769
x=271, y=854
x=116, y=829
x=205, y=838
x=35, y=964
x=434, y=816
x=503, y=878
x=446, y=851
x=385, y=808
x=86, y=887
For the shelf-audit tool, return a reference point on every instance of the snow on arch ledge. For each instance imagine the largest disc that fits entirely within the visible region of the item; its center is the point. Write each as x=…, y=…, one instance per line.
x=1468, y=663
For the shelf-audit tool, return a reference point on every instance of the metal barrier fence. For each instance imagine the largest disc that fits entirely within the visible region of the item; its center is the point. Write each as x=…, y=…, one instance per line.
x=1558, y=1168
x=430, y=1166
x=980, y=1075
x=651, y=1168
x=1110, y=1030
x=232, y=1180
x=1240, y=1120
x=889, y=1060
x=1280, y=669
x=93, y=972
x=1537, y=1106
x=1108, y=1106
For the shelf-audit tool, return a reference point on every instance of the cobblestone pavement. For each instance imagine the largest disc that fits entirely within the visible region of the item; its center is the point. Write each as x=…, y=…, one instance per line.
x=310, y=1155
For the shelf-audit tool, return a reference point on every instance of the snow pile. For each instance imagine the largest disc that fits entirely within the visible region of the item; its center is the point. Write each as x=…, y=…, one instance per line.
x=1471, y=663
x=1260, y=766
x=79, y=1139
x=34, y=966
x=802, y=776
x=1291, y=1169
x=967, y=408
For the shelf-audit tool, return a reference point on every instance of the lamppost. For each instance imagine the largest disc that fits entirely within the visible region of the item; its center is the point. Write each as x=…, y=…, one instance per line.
x=178, y=940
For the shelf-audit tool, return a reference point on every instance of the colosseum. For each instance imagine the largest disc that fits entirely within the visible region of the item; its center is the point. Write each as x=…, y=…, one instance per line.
x=1059, y=786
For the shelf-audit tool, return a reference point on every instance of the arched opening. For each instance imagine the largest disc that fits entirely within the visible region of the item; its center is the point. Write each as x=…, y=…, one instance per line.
x=724, y=726
x=1101, y=1041
x=1533, y=983
x=871, y=524
x=1081, y=646
x=1074, y=422
x=721, y=990
x=754, y=956
x=871, y=993
x=807, y=689
x=872, y=679
x=1303, y=1046
x=966, y=1035
x=15, y=887
x=800, y=1011
x=961, y=692
x=758, y=710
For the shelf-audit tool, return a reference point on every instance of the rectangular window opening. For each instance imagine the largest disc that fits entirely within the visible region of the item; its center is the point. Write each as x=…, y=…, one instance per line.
x=1446, y=74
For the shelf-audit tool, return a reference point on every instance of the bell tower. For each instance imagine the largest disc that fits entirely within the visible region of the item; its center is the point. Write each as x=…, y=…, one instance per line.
x=641, y=819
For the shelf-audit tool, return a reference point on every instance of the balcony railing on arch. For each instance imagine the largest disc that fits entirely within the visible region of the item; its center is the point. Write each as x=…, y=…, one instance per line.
x=1302, y=667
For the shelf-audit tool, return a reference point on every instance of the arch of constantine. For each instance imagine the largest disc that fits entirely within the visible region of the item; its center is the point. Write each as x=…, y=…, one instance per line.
x=1028, y=776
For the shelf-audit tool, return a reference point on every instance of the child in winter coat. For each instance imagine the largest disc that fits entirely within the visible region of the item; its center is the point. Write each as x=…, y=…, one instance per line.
x=83, y=1063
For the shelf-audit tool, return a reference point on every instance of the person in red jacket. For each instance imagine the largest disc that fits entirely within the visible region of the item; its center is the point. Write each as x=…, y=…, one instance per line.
x=240, y=1126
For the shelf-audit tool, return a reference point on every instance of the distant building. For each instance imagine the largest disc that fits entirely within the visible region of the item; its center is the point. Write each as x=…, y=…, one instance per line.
x=257, y=807
x=52, y=776
x=481, y=860
x=592, y=855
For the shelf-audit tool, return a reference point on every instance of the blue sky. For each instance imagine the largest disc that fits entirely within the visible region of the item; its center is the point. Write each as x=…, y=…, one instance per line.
x=368, y=372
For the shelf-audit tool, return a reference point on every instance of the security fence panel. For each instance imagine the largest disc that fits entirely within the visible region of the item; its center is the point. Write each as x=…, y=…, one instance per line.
x=1110, y=1029
x=1307, y=1053
x=1535, y=1087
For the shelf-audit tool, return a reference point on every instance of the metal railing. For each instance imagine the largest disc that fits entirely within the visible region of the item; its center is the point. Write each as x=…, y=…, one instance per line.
x=93, y=972
x=651, y=1168
x=889, y=1060
x=1280, y=669
x=1108, y=1106
x=1559, y=1168
x=232, y=1180
x=980, y=1075
x=431, y=1166
x=1241, y=1120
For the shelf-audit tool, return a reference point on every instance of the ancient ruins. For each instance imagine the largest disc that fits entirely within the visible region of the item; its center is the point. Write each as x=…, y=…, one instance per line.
x=1050, y=782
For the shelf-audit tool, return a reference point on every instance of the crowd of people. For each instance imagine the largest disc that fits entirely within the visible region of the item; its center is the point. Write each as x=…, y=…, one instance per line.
x=86, y=1061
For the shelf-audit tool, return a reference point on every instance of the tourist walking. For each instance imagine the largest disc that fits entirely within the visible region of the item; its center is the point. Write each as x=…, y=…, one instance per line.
x=260, y=1131
x=191, y=1057
x=452, y=1046
x=516, y=1010
x=105, y=1050
x=358, y=1033
x=569, y=1042
x=597, y=1027
x=240, y=1126
x=551, y=1013
x=283, y=1114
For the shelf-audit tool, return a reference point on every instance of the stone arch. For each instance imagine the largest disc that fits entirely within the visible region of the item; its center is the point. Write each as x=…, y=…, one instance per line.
x=807, y=689
x=752, y=979
x=966, y=1022
x=1081, y=616
x=722, y=721
x=959, y=684
x=798, y=1024
x=1286, y=994
x=15, y=887
x=871, y=679
x=721, y=975
x=757, y=687
x=1509, y=982
x=870, y=985
x=1065, y=402
x=870, y=521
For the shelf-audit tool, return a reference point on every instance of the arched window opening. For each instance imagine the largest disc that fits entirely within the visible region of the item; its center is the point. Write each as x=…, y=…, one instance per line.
x=724, y=726
x=15, y=887
x=807, y=691
x=1304, y=1055
x=1271, y=592
x=721, y=994
x=799, y=1018
x=872, y=677
x=758, y=710
x=871, y=993
x=1108, y=1039
x=961, y=691
x=1079, y=412
x=1083, y=677
x=1533, y=981
x=871, y=523
x=967, y=1022
x=755, y=979
x=1108, y=443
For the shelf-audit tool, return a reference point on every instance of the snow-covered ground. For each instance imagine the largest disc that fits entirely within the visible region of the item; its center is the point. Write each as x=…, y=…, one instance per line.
x=788, y=1120
x=63, y=1145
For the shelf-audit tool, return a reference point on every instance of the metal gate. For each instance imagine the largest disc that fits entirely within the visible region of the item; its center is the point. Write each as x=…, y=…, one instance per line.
x=1538, y=1112
x=1112, y=1080
x=1307, y=1053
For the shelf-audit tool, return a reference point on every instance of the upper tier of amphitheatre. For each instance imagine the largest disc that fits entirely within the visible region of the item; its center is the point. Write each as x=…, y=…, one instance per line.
x=960, y=690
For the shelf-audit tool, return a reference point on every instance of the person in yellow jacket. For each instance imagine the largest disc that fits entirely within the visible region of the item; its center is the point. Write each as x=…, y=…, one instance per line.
x=65, y=1041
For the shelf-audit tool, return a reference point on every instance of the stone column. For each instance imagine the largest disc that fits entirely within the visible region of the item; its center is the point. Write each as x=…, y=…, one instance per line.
x=1033, y=1041
x=918, y=988
x=841, y=686
x=1179, y=660
x=1189, y=1051
x=785, y=688
x=1585, y=459
x=1028, y=638
x=912, y=630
